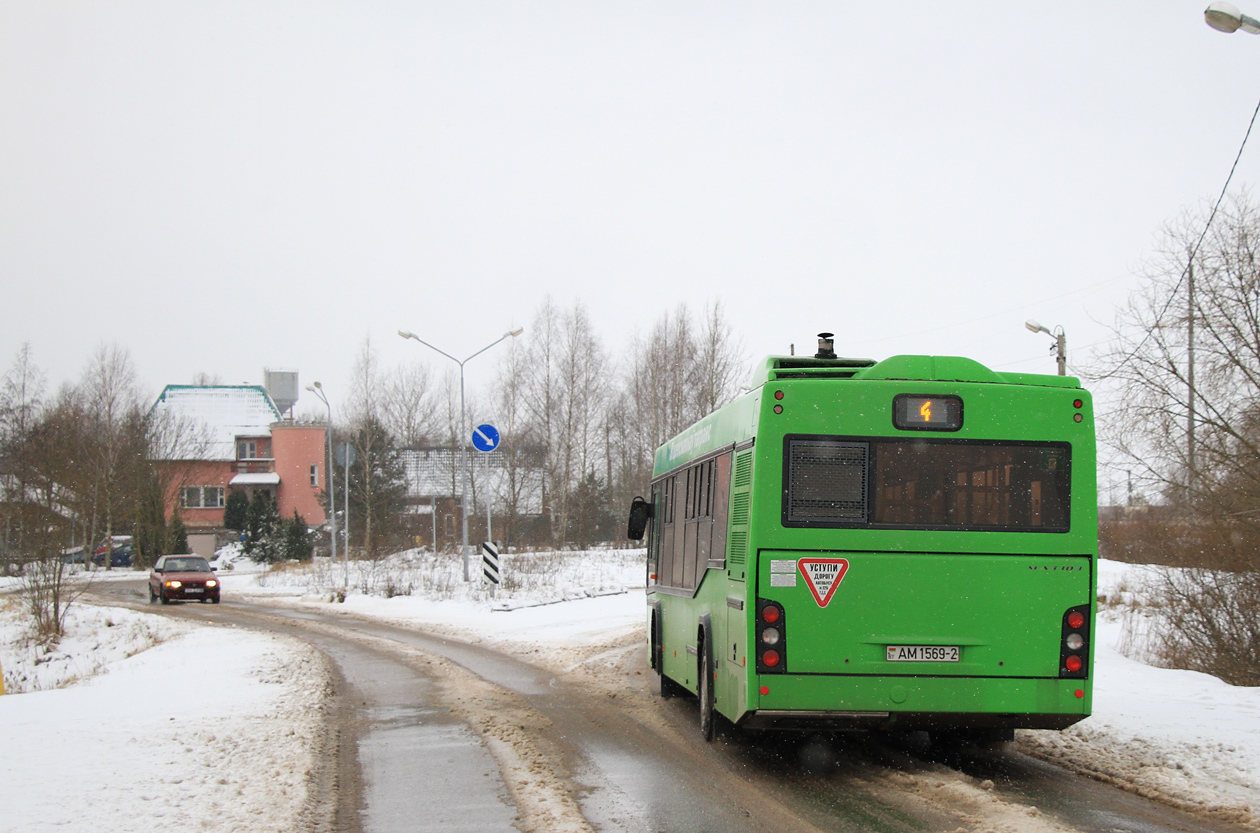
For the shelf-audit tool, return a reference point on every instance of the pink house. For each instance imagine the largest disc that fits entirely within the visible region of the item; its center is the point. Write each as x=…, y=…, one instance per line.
x=239, y=441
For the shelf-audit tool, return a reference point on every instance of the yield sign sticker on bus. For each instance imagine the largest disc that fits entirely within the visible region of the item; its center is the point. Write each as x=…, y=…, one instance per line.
x=823, y=575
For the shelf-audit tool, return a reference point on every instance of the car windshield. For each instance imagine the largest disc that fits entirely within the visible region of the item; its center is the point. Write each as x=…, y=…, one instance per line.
x=188, y=565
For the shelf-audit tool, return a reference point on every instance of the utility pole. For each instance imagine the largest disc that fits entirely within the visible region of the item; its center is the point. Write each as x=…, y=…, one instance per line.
x=1190, y=462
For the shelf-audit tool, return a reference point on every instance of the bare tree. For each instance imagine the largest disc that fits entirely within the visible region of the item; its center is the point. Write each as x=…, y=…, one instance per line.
x=21, y=399
x=718, y=360
x=52, y=485
x=578, y=445
x=677, y=374
x=376, y=477
x=112, y=402
x=1186, y=360
x=1186, y=357
x=408, y=406
x=542, y=395
x=565, y=394
x=524, y=463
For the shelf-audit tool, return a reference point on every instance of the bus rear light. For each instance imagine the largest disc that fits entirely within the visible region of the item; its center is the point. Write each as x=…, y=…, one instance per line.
x=771, y=637
x=1074, y=643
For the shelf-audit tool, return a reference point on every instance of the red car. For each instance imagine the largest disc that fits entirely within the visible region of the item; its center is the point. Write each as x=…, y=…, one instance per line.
x=185, y=577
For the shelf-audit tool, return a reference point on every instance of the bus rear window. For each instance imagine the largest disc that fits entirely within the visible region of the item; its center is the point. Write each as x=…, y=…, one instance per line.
x=973, y=485
x=926, y=484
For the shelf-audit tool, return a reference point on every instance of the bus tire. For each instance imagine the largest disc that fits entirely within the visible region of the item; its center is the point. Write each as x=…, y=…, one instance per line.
x=704, y=689
x=656, y=658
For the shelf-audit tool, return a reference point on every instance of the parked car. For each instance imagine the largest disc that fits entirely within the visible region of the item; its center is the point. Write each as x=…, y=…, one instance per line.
x=120, y=551
x=183, y=577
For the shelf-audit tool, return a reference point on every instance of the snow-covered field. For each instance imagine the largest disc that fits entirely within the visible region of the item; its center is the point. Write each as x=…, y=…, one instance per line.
x=1185, y=737
x=205, y=728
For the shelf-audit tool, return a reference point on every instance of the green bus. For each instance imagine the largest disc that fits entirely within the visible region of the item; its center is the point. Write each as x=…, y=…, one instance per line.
x=908, y=544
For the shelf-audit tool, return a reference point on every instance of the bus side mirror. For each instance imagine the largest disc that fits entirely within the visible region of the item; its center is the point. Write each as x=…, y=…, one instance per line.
x=640, y=512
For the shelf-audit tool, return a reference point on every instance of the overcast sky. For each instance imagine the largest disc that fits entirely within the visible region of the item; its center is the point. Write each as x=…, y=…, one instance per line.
x=225, y=186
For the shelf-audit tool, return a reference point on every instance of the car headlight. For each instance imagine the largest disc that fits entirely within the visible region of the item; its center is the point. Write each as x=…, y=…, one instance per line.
x=212, y=583
x=174, y=585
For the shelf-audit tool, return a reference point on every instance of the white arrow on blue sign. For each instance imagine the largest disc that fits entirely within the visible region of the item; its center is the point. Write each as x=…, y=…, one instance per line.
x=485, y=437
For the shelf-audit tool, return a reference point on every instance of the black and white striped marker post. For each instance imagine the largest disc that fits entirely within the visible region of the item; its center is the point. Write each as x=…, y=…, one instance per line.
x=490, y=564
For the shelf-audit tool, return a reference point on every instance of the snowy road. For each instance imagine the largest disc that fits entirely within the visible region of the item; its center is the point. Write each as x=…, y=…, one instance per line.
x=575, y=740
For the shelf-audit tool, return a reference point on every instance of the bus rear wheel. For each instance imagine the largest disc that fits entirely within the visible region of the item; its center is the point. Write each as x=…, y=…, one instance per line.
x=704, y=689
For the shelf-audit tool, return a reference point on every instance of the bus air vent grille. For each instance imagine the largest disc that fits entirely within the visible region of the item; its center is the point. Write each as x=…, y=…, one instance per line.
x=737, y=551
x=814, y=374
x=743, y=470
x=826, y=481
x=740, y=502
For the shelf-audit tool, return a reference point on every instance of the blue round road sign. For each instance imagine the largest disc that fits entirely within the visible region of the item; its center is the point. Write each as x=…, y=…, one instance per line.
x=485, y=437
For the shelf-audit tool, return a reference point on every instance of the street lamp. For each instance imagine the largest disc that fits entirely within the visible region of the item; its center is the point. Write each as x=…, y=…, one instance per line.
x=463, y=432
x=318, y=390
x=1060, y=343
x=1225, y=17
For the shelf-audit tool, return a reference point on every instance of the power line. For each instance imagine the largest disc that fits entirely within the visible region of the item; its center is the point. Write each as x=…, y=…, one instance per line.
x=1194, y=251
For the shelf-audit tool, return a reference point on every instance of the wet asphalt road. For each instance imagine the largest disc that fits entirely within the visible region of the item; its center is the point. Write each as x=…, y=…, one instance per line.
x=407, y=764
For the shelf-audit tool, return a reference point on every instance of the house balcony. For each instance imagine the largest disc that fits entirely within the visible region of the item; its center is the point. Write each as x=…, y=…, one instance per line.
x=255, y=465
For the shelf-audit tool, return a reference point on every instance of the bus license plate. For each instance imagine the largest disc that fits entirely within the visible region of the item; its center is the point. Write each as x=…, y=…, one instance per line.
x=923, y=653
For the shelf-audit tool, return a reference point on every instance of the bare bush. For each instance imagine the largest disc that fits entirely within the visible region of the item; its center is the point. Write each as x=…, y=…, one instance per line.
x=47, y=593
x=1209, y=622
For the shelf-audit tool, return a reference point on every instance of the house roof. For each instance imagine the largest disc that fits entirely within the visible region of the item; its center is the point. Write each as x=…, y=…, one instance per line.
x=436, y=473
x=224, y=411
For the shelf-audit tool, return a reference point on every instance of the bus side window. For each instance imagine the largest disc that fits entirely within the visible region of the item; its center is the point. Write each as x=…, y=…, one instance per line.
x=685, y=567
x=721, y=502
x=703, y=529
x=654, y=537
x=665, y=567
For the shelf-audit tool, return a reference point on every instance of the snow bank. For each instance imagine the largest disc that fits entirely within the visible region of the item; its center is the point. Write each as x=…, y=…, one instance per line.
x=213, y=730
x=1181, y=736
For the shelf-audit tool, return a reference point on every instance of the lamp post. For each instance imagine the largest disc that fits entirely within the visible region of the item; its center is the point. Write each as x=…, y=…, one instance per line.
x=1225, y=17
x=318, y=390
x=1060, y=343
x=463, y=433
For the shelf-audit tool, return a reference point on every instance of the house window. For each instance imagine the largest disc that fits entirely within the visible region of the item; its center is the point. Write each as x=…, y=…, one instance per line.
x=201, y=497
x=247, y=450
x=315, y=476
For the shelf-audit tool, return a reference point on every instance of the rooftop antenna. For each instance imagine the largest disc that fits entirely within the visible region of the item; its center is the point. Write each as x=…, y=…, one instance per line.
x=826, y=347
